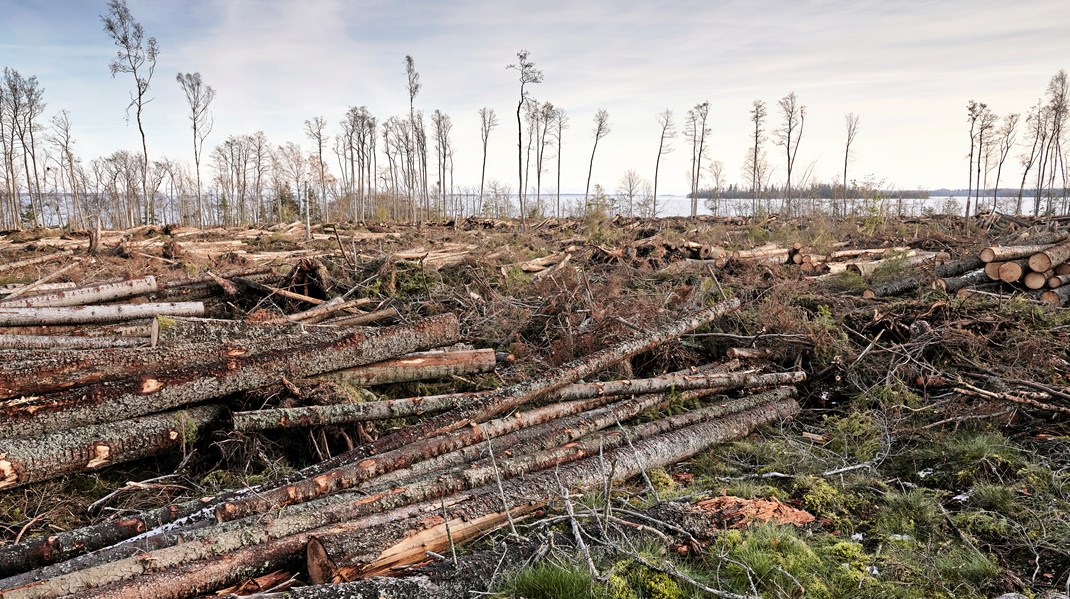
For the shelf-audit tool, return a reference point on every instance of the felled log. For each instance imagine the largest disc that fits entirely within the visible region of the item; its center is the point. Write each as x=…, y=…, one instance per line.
x=32, y=261
x=104, y=292
x=1037, y=280
x=25, y=289
x=1013, y=271
x=1063, y=269
x=433, y=436
x=95, y=314
x=155, y=392
x=399, y=408
x=1058, y=280
x=252, y=550
x=363, y=319
x=910, y=258
x=322, y=311
x=11, y=287
x=840, y=255
x=953, y=284
x=362, y=550
x=79, y=449
x=958, y=267
x=892, y=288
x=997, y=253
x=417, y=367
x=58, y=342
x=992, y=270
x=1057, y=297
x=1048, y=259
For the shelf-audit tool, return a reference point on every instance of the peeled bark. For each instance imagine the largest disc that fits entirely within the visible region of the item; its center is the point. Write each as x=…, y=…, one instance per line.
x=10, y=317
x=42, y=457
x=105, y=292
x=418, y=367
x=1048, y=259
x=154, y=392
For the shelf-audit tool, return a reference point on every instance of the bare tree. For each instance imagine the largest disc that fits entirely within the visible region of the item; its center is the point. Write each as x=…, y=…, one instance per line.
x=488, y=121
x=528, y=74
x=64, y=141
x=974, y=110
x=414, y=85
x=544, y=121
x=695, y=130
x=716, y=169
x=199, y=96
x=1007, y=133
x=758, y=114
x=442, y=125
x=851, y=120
x=601, y=129
x=668, y=132
x=136, y=56
x=789, y=135
x=629, y=191
x=25, y=105
x=1036, y=122
x=315, y=129
x=560, y=123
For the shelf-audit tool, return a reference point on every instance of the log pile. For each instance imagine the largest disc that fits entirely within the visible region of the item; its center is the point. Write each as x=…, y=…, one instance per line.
x=464, y=463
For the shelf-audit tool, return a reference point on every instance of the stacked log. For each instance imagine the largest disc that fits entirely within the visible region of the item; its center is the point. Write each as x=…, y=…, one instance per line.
x=489, y=458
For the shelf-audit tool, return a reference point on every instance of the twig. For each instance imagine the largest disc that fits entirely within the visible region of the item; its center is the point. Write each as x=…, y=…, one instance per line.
x=578, y=536
x=498, y=479
x=449, y=534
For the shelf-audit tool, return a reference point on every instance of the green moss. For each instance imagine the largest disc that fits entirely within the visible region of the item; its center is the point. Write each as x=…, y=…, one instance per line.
x=962, y=567
x=662, y=481
x=993, y=497
x=845, y=282
x=970, y=456
x=165, y=322
x=983, y=524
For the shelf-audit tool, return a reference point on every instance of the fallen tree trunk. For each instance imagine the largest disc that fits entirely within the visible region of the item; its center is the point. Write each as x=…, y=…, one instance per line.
x=105, y=292
x=154, y=392
x=80, y=449
x=95, y=314
x=248, y=552
x=45, y=287
x=322, y=311
x=363, y=319
x=23, y=342
x=1048, y=259
x=32, y=261
x=953, y=284
x=892, y=288
x=998, y=253
x=418, y=367
x=1057, y=297
x=958, y=267
x=399, y=408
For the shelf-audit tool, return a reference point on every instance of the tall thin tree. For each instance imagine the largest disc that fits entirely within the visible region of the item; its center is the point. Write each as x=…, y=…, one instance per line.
x=315, y=129
x=668, y=132
x=758, y=114
x=789, y=135
x=696, y=130
x=199, y=96
x=487, y=122
x=528, y=74
x=136, y=56
x=851, y=120
x=601, y=129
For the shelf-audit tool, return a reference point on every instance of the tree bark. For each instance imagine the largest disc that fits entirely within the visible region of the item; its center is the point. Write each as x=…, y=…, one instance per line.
x=155, y=392
x=10, y=317
x=892, y=288
x=1058, y=281
x=953, y=284
x=22, y=342
x=105, y=292
x=959, y=267
x=363, y=319
x=79, y=449
x=418, y=367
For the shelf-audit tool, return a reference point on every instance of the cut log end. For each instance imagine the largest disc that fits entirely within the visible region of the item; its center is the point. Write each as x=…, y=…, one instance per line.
x=8, y=476
x=321, y=568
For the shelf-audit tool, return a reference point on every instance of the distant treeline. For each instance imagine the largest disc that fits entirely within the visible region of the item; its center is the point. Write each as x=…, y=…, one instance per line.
x=825, y=191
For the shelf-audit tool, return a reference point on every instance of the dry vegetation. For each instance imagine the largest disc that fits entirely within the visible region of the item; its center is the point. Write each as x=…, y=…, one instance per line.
x=929, y=458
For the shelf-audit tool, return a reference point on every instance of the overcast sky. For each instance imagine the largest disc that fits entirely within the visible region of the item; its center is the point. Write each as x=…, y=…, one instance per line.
x=907, y=68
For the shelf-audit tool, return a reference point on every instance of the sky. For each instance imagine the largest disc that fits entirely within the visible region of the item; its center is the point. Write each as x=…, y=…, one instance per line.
x=907, y=68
